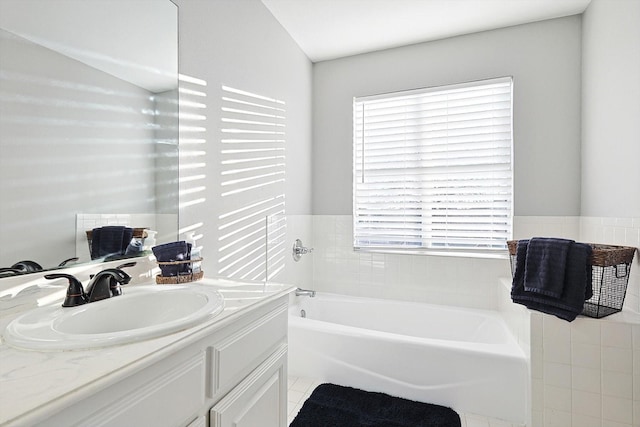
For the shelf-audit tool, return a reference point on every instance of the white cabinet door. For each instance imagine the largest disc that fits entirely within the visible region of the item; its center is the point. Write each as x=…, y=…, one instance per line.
x=259, y=400
x=238, y=354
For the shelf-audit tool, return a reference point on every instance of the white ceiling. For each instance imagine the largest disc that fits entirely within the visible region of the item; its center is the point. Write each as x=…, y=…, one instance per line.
x=329, y=29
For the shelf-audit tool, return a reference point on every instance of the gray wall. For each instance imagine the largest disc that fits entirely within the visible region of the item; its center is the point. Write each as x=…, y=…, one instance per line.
x=241, y=45
x=73, y=140
x=611, y=109
x=544, y=60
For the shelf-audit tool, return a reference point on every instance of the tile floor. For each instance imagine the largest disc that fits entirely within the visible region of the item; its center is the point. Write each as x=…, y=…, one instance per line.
x=300, y=388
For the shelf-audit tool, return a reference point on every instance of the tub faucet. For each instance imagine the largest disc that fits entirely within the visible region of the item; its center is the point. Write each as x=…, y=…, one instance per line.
x=299, y=249
x=305, y=292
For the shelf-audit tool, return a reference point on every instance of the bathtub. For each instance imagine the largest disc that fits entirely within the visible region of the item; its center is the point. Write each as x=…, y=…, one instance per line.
x=462, y=358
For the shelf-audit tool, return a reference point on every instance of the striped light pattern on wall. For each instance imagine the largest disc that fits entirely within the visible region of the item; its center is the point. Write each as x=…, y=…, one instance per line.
x=251, y=227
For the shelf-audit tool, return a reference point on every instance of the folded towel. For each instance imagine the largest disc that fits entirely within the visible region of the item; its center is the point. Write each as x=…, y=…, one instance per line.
x=545, y=265
x=577, y=284
x=110, y=240
x=173, y=251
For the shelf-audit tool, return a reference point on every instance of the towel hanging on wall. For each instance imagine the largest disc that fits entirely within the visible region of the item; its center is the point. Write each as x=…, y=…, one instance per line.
x=564, y=294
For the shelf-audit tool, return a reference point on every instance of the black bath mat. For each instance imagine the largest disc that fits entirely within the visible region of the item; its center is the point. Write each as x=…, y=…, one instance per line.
x=332, y=405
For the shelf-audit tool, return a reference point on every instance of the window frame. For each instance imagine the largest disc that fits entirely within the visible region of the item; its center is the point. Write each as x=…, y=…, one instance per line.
x=424, y=246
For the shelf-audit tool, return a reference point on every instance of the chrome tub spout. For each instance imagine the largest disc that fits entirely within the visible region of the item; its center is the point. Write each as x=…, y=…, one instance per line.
x=305, y=292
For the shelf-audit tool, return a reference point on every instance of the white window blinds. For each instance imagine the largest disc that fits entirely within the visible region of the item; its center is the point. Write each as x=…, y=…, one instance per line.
x=432, y=168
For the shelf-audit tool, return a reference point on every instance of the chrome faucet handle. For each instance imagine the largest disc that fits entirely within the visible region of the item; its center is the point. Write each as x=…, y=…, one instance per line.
x=299, y=249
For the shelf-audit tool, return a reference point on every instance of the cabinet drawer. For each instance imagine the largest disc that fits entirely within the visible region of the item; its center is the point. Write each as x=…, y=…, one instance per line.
x=199, y=422
x=259, y=400
x=240, y=353
x=166, y=398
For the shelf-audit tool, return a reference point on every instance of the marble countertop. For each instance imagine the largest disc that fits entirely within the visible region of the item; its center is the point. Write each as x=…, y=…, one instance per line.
x=34, y=382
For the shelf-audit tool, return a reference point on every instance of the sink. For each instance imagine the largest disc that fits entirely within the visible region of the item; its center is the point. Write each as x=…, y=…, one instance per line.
x=142, y=312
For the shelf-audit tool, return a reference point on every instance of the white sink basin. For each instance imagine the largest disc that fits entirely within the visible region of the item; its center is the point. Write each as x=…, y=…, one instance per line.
x=141, y=313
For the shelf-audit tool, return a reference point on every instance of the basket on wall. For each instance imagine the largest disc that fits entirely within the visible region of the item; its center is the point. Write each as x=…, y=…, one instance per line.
x=182, y=277
x=610, y=266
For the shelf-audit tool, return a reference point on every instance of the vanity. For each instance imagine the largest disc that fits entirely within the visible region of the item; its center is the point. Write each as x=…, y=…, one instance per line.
x=227, y=370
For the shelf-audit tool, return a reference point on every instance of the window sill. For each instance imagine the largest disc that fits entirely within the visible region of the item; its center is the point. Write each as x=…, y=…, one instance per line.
x=434, y=252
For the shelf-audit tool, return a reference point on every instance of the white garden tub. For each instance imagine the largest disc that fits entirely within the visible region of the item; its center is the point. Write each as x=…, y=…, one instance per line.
x=462, y=358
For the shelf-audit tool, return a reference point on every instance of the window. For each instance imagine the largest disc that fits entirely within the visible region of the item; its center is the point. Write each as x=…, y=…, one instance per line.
x=433, y=169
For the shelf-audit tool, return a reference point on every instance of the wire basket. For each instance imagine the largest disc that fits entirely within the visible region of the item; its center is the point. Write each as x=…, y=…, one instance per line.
x=610, y=269
x=180, y=278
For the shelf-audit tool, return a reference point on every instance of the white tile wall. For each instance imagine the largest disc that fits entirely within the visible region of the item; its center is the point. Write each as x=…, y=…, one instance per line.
x=337, y=268
x=587, y=376
x=516, y=316
x=525, y=227
x=298, y=273
x=587, y=372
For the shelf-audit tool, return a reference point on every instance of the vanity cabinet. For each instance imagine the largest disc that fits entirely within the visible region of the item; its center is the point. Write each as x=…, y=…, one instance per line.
x=233, y=375
x=199, y=422
x=258, y=399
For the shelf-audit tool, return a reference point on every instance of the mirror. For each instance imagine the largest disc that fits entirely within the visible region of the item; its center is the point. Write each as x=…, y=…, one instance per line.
x=88, y=124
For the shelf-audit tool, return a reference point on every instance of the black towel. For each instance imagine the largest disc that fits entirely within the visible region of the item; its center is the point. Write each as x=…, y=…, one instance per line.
x=545, y=265
x=110, y=240
x=173, y=251
x=332, y=405
x=577, y=284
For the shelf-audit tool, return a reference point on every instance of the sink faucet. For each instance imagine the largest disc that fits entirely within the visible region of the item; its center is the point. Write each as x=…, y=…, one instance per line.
x=105, y=284
x=303, y=292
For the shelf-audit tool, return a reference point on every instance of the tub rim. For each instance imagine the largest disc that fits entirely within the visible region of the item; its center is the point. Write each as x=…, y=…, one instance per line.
x=508, y=349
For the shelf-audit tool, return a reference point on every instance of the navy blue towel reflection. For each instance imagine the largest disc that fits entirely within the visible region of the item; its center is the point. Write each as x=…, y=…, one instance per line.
x=110, y=240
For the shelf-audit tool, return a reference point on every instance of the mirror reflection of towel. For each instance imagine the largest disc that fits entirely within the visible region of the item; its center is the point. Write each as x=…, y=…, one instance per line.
x=110, y=240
